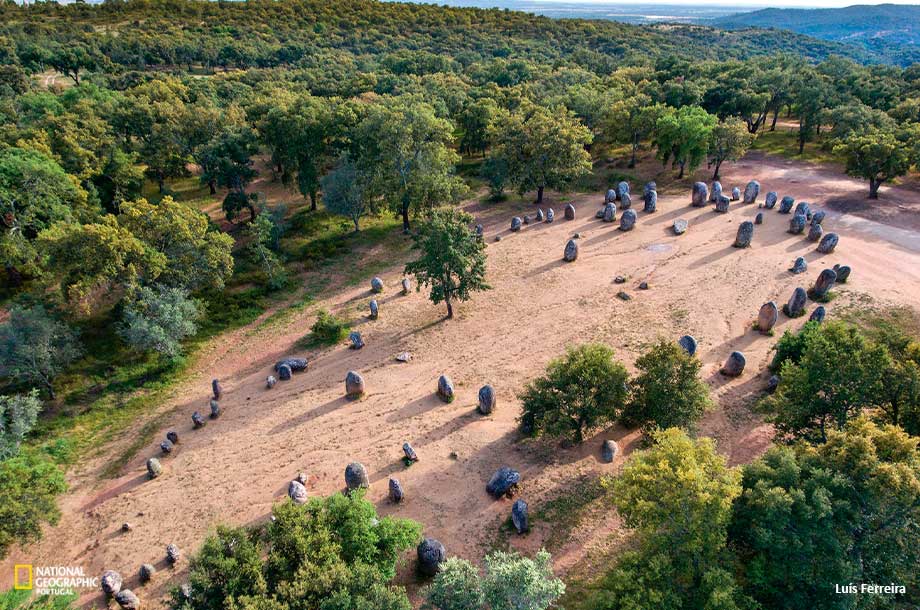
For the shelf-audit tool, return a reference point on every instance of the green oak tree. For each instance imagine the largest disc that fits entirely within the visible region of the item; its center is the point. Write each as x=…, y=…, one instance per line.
x=683, y=136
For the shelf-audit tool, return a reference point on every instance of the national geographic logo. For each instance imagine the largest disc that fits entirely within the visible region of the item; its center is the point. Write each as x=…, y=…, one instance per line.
x=52, y=580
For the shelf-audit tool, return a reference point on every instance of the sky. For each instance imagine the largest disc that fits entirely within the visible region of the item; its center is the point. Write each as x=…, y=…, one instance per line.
x=752, y=3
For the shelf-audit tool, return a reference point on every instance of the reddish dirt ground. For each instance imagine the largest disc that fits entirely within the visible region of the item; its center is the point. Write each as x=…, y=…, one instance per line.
x=235, y=468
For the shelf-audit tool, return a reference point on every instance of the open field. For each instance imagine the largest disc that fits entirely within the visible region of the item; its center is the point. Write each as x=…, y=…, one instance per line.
x=235, y=468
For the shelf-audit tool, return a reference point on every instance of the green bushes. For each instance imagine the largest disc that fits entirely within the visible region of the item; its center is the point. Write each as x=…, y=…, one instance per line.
x=328, y=329
x=29, y=483
x=331, y=553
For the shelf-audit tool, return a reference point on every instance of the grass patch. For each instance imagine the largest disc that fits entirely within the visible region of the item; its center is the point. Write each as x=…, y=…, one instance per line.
x=327, y=330
x=785, y=143
x=567, y=510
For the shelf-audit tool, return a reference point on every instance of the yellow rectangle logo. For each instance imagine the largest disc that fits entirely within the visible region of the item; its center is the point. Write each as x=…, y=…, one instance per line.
x=22, y=576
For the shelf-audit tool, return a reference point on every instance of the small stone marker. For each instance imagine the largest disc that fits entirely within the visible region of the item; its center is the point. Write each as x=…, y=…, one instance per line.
x=198, y=420
x=297, y=492
x=166, y=447
x=828, y=243
x=688, y=343
x=797, y=224
x=215, y=409
x=767, y=317
x=516, y=223
x=431, y=554
x=270, y=381
x=540, y=217
x=354, y=337
x=284, y=372
x=734, y=366
x=354, y=384
x=651, y=201
x=407, y=285
x=770, y=200
x=570, y=254
x=758, y=220
x=824, y=283
x=785, y=205
x=745, y=234
x=146, y=573
x=799, y=266
x=722, y=204
x=110, y=582
x=751, y=191
x=395, y=493
x=519, y=516
x=736, y=194
x=818, y=314
x=610, y=212
x=843, y=273
x=815, y=232
x=680, y=226
x=628, y=220
x=356, y=476
x=503, y=481
x=569, y=212
x=486, y=400
x=409, y=452
x=796, y=305
x=127, y=600
x=550, y=215
x=716, y=191
x=445, y=388
x=173, y=437
x=609, y=451
x=154, y=468
x=700, y=194
x=377, y=285
x=172, y=554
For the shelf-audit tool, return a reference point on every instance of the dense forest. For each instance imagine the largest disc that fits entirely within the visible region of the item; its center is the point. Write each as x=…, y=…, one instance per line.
x=109, y=274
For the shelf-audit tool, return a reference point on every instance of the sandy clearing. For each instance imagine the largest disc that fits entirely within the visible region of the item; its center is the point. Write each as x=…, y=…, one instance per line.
x=236, y=467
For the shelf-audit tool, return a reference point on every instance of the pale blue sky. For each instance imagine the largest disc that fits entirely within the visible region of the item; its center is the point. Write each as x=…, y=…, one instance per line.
x=758, y=3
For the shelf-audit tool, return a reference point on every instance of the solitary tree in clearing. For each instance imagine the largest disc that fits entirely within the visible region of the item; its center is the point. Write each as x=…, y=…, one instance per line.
x=453, y=260
x=878, y=156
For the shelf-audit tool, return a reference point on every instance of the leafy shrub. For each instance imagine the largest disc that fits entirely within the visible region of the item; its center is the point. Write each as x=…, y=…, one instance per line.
x=158, y=319
x=792, y=344
x=668, y=392
x=328, y=329
x=29, y=483
x=584, y=389
x=17, y=416
x=35, y=348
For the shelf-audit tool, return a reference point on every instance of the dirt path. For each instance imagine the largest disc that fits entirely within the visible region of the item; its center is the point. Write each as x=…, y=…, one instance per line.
x=235, y=468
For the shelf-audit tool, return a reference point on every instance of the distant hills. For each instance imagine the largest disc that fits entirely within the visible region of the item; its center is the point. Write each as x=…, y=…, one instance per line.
x=889, y=30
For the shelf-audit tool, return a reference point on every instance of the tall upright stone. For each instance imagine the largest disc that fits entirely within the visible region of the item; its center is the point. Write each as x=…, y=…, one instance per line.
x=751, y=191
x=516, y=224
x=354, y=384
x=785, y=205
x=486, y=399
x=736, y=193
x=745, y=234
x=716, y=191
x=770, y=200
x=356, y=476
x=828, y=243
x=610, y=212
x=815, y=232
x=824, y=283
x=628, y=220
x=700, y=194
x=796, y=305
x=571, y=251
x=767, y=317
x=688, y=343
x=431, y=554
x=734, y=366
x=651, y=202
x=797, y=224
x=445, y=388
x=569, y=212
x=722, y=204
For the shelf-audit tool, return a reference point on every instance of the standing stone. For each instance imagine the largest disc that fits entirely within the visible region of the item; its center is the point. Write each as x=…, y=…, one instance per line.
x=716, y=191
x=700, y=194
x=767, y=317
x=550, y=215
x=799, y=266
x=803, y=209
x=609, y=451
x=172, y=437
x=796, y=305
x=628, y=220
x=166, y=447
x=127, y=600
x=651, y=202
x=600, y=213
x=479, y=231
x=431, y=554
x=758, y=219
x=396, y=493
x=772, y=383
x=734, y=366
x=751, y=191
x=375, y=309
x=110, y=582
x=198, y=420
x=770, y=200
x=354, y=384
x=519, y=516
x=356, y=476
x=571, y=251
x=569, y=212
x=625, y=201
x=356, y=341
x=649, y=187
x=736, y=194
x=215, y=409
x=680, y=226
x=154, y=468
x=445, y=388
x=823, y=284
x=818, y=217
x=486, y=399
x=815, y=232
x=295, y=364
x=818, y=314
x=843, y=273
x=516, y=223
x=610, y=196
x=377, y=284
x=284, y=372
x=146, y=573
x=688, y=343
x=722, y=204
x=797, y=224
x=409, y=452
x=622, y=189
x=540, y=217
x=297, y=492
x=503, y=481
x=610, y=212
x=172, y=554
x=785, y=205
x=407, y=285
x=270, y=381
x=745, y=234
x=828, y=243
x=216, y=390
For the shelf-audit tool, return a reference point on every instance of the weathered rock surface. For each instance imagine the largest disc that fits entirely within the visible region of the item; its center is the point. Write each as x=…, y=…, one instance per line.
x=688, y=343
x=154, y=468
x=395, y=493
x=815, y=232
x=651, y=202
x=745, y=234
x=700, y=194
x=570, y=253
x=628, y=220
x=516, y=223
x=519, y=516
x=797, y=224
x=767, y=317
x=127, y=600
x=297, y=492
x=110, y=582
x=625, y=201
x=354, y=384
x=723, y=204
x=198, y=420
x=818, y=217
x=431, y=554
x=751, y=191
x=818, y=314
x=796, y=305
x=445, y=388
x=843, y=273
x=503, y=481
x=216, y=390
x=409, y=452
x=799, y=266
x=569, y=212
x=610, y=196
x=284, y=372
x=609, y=450
x=716, y=191
x=785, y=205
x=356, y=476
x=487, y=399
x=354, y=337
x=622, y=189
x=802, y=209
x=680, y=226
x=734, y=366
x=828, y=243
x=610, y=212
x=770, y=200
x=377, y=284
x=826, y=280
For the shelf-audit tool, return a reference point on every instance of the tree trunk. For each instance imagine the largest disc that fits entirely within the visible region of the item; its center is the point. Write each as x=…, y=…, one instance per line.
x=874, y=184
x=681, y=174
x=312, y=201
x=775, y=116
x=450, y=309
x=357, y=228
x=801, y=141
x=635, y=146
x=161, y=184
x=715, y=175
x=405, y=217
x=212, y=186
x=539, y=195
